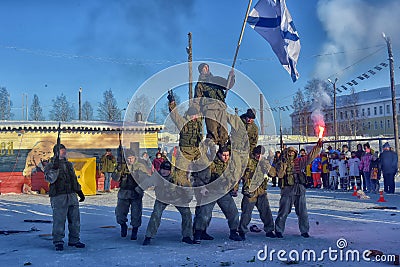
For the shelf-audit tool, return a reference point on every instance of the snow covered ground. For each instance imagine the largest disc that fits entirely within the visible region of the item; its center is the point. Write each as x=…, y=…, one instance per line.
x=332, y=215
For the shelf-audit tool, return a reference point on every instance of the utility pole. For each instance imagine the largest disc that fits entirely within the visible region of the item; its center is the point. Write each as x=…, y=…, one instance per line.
x=190, y=59
x=334, y=109
x=393, y=91
x=80, y=103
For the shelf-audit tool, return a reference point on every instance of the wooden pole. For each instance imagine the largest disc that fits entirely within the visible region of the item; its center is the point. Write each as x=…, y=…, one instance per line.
x=262, y=113
x=240, y=40
x=190, y=59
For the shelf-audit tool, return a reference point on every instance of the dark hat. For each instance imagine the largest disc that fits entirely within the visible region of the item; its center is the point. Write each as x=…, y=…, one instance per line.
x=192, y=111
x=108, y=149
x=251, y=113
x=386, y=145
x=259, y=150
x=201, y=66
x=55, y=148
x=166, y=165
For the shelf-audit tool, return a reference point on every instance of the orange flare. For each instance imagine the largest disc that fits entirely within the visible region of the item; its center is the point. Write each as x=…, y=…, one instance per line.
x=321, y=131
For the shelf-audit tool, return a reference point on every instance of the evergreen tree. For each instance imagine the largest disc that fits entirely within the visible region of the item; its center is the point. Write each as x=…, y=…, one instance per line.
x=108, y=109
x=62, y=110
x=36, y=112
x=5, y=105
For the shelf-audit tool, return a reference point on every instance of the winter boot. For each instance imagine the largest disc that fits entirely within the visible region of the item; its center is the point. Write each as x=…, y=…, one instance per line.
x=187, y=240
x=306, y=235
x=197, y=237
x=77, y=245
x=270, y=234
x=146, y=241
x=124, y=230
x=134, y=233
x=242, y=235
x=59, y=247
x=205, y=236
x=278, y=234
x=234, y=236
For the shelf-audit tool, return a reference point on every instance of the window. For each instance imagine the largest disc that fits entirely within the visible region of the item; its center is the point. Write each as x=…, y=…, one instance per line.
x=388, y=123
x=352, y=113
x=345, y=115
x=375, y=111
x=368, y=111
x=382, y=125
x=387, y=109
x=363, y=112
x=369, y=125
x=341, y=115
x=376, y=125
x=357, y=113
x=380, y=110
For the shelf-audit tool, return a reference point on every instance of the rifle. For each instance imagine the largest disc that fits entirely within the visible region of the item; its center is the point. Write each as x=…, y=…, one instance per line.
x=120, y=161
x=57, y=152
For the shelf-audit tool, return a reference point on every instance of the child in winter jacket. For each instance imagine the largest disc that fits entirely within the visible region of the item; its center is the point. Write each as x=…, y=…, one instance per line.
x=333, y=171
x=343, y=172
x=364, y=167
x=354, y=170
x=375, y=173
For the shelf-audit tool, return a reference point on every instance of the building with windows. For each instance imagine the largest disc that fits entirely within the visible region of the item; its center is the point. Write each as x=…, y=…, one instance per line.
x=364, y=113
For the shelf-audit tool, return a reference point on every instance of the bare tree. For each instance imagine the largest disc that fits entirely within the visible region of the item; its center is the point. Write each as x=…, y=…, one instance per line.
x=36, y=112
x=351, y=114
x=87, y=111
x=5, y=105
x=108, y=109
x=142, y=104
x=62, y=110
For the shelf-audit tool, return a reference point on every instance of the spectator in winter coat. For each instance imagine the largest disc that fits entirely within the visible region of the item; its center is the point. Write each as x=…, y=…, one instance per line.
x=325, y=170
x=316, y=169
x=354, y=170
x=343, y=172
x=107, y=168
x=389, y=168
x=157, y=162
x=346, y=151
x=333, y=170
x=375, y=171
x=364, y=167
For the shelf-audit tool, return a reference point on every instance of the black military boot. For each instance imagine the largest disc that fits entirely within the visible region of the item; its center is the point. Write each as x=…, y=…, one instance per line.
x=59, y=247
x=77, y=245
x=242, y=235
x=234, y=236
x=146, y=241
x=134, y=233
x=197, y=237
x=205, y=236
x=306, y=235
x=270, y=234
x=124, y=230
x=278, y=234
x=187, y=240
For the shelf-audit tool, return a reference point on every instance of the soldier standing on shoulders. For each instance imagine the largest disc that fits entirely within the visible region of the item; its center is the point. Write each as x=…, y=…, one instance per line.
x=129, y=174
x=211, y=90
x=166, y=191
x=64, y=188
x=293, y=191
x=254, y=194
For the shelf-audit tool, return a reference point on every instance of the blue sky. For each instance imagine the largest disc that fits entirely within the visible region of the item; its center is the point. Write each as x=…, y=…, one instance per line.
x=53, y=47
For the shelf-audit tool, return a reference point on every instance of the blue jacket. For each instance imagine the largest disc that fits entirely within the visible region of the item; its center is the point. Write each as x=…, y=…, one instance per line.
x=388, y=161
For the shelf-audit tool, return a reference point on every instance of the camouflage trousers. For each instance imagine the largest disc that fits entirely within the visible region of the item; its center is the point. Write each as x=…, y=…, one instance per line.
x=155, y=219
x=65, y=206
x=262, y=204
x=184, y=159
x=292, y=195
x=203, y=214
x=216, y=124
x=129, y=199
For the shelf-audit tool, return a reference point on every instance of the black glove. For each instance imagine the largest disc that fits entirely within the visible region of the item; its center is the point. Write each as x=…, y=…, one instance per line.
x=170, y=96
x=81, y=196
x=56, y=163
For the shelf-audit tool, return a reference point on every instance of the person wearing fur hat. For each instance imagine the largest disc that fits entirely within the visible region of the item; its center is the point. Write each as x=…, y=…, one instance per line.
x=293, y=189
x=210, y=94
x=64, y=189
x=388, y=159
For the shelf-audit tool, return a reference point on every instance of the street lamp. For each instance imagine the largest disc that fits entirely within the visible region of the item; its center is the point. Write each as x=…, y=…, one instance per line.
x=334, y=108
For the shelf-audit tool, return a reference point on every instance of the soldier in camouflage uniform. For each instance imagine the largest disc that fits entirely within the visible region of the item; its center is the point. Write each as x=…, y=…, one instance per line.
x=129, y=174
x=107, y=168
x=218, y=180
x=166, y=192
x=293, y=191
x=64, y=188
x=211, y=93
x=254, y=194
x=190, y=136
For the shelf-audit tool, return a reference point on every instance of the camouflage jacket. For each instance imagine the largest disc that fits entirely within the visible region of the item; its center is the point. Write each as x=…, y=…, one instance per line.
x=254, y=179
x=63, y=180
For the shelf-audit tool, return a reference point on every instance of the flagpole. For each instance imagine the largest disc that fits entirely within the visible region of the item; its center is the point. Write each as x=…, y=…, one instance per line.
x=240, y=40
